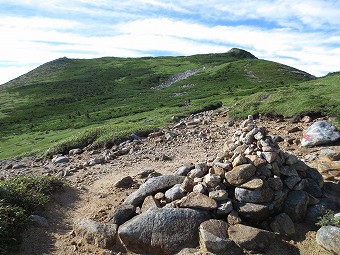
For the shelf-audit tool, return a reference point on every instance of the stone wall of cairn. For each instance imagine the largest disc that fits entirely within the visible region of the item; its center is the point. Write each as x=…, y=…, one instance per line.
x=251, y=180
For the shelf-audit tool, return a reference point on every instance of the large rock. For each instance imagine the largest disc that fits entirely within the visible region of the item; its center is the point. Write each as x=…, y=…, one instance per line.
x=321, y=132
x=100, y=234
x=329, y=238
x=151, y=187
x=240, y=174
x=214, y=238
x=296, y=205
x=162, y=231
x=249, y=238
x=198, y=200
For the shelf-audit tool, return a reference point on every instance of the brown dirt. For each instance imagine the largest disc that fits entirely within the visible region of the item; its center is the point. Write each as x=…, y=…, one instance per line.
x=92, y=193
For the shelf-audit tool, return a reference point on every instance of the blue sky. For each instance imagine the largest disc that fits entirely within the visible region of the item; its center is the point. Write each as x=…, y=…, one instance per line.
x=303, y=34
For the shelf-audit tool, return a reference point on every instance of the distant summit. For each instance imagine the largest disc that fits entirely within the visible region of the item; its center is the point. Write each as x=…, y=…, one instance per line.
x=239, y=53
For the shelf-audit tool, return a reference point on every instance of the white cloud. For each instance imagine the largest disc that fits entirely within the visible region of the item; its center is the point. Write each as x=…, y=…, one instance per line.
x=88, y=29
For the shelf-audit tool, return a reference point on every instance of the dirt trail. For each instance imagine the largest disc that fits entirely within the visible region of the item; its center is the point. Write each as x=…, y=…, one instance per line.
x=92, y=193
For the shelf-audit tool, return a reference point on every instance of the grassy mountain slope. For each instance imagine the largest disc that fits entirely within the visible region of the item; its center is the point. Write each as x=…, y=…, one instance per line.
x=72, y=102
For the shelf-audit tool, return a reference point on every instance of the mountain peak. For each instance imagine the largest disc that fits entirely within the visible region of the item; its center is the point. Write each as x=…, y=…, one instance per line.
x=236, y=52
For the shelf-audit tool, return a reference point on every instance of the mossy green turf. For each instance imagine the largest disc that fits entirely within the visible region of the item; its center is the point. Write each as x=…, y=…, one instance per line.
x=72, y=102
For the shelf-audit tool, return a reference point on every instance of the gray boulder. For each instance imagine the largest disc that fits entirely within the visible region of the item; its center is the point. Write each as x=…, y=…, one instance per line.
x=329, y=238
x=321, y=132
x=162, y=231
x=151, y=187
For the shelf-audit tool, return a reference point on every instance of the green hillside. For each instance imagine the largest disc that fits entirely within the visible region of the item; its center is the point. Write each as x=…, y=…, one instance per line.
x=73, y=102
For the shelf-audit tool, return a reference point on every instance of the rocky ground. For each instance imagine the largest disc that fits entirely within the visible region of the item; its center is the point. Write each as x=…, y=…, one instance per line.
x=93, y=175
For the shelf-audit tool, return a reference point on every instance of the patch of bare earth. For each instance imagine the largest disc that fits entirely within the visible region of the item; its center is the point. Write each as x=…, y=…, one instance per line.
x=92, y=193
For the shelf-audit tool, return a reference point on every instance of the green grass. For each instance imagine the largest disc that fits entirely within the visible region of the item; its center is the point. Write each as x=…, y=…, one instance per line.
x=68, y=103
x=321, y=95
x=19, y=198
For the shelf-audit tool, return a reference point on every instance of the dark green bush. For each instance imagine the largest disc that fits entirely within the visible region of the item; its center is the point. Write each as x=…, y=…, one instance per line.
x=20, y=197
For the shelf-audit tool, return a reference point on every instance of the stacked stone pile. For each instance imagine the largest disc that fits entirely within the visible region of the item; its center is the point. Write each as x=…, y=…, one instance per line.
x=251, y=183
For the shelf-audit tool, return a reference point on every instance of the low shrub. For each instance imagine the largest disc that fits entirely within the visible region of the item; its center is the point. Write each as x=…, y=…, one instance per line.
x=20, y=197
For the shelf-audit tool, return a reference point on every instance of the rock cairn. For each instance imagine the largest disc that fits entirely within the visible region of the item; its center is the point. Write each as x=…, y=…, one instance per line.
x=249, y=191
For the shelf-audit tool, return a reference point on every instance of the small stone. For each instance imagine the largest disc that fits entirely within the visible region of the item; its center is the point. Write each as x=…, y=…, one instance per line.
x=267, y=149
x=60, y=159
x=199, y=188
x=75, y=151
x=291, y=159
x=316, y=176
x=293, y=130
x=198, y=171
x=152, y=186
x=233, y=218
x=150, y=202
x=224, y=207
x=331, y=154
x=240, y=174
x=199, y=201
x=254, y=183
x=269, y=156
x=96, y=161
x=291, y=181
x=224, y=166
x=188, y=184
x=183, y=170
x=174, y=193
x=159, y=196
x=125, y=182
x=218, y=195
x=18, y=166
x=288, y=171
x=306, y=119
x=39, y=221
x=239, y=160
x=275, y=183
x=211, y=180
x=312, y=187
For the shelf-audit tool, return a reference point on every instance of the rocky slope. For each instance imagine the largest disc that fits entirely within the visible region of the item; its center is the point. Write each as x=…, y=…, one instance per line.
x=93, y=175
